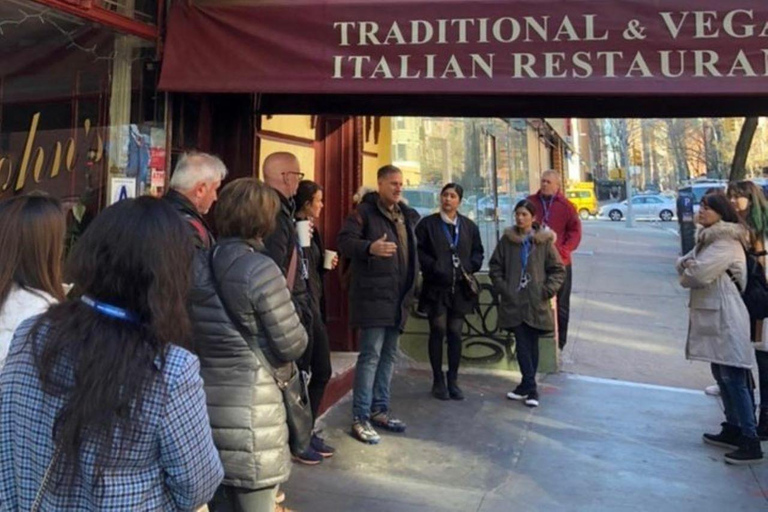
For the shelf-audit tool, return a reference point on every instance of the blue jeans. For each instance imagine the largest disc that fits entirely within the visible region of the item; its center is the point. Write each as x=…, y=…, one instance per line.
x=736, y=396
x=373, y=374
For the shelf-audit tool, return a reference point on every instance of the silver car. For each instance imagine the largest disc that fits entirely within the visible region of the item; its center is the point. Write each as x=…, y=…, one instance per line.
x=646, y=206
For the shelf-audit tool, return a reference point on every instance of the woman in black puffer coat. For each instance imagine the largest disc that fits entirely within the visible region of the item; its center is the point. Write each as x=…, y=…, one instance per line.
x=244, y=403
x=443, y=237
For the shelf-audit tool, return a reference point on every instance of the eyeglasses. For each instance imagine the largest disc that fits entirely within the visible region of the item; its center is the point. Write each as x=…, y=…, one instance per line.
x=299, y=174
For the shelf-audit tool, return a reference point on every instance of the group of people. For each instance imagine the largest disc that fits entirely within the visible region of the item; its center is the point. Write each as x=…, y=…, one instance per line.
x=156, y=383
x=732, y=229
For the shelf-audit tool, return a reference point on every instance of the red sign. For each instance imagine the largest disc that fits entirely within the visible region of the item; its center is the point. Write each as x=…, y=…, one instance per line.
x=455, y=46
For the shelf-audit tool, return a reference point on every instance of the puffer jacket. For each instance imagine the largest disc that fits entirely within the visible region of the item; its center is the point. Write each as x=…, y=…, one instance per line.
x=718, y=331
x=529, y=305
x=244, y=403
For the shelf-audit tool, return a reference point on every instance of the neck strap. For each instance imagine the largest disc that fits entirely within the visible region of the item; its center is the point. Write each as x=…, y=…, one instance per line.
x=110, y=310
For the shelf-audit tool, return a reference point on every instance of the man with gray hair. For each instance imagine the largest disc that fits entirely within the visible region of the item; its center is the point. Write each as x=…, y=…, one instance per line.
x=193, y=190
x=555, y=212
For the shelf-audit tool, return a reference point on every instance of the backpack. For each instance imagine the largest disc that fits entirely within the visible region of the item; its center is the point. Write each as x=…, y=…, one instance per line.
x=755, y=294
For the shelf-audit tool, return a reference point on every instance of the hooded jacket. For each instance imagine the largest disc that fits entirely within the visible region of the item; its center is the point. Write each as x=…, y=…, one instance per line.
x=244, y=403
x=718, y=331
x=380, y=289
x=528, y=305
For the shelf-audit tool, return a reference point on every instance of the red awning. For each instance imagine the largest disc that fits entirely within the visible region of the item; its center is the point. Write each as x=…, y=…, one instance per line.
x=462, y=46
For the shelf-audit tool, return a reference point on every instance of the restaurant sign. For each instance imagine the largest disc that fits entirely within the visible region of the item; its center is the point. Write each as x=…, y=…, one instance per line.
x=492, y=46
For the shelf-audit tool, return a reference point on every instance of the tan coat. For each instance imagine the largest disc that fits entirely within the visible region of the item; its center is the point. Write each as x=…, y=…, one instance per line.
x=718, y=331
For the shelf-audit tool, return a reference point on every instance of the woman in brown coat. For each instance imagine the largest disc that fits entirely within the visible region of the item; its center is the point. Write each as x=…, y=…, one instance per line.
x=526, y=272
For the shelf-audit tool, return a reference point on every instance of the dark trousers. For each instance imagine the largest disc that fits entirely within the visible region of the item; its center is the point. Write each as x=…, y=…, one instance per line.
x=762, y=377
x=527, y=349
x=445, y=327
x=319, y=361
x=564, y=307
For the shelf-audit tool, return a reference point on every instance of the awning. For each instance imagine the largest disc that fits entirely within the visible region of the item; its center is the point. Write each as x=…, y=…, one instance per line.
x=500, y=48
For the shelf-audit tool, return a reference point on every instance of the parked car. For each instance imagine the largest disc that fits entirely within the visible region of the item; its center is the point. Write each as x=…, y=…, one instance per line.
x=506, y=204
x=646, y=206
x=584, y=200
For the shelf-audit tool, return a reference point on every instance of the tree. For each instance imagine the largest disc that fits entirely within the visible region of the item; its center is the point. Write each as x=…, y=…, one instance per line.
x=740, y=155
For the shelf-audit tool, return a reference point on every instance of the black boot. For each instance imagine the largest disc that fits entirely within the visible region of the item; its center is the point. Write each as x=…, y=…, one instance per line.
x=439, y=390
x=453, y=389
x=749, y=452
x=762, y=425
x=729, y=437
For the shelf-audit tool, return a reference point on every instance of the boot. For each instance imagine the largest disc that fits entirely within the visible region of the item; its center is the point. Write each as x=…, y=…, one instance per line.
x=439, y=390
x=729, y=437
x=762, y=425
x=749, y=452
x=453, y=389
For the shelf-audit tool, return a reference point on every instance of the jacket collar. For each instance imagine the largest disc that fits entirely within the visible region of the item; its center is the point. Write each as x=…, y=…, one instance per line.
x=182, y=202
x=558, y=197
x=722, y=231
x=540, y=236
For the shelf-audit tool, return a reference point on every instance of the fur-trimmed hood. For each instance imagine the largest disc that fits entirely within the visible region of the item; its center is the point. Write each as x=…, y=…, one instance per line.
x=719, y=231
x=540, y=236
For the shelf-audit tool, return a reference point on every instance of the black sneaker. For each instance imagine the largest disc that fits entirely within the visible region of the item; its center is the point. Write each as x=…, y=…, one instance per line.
x=518, y=394
x=318, y=444
x=748, y=453
x=729, y=437
x=385, y=420
x=309, y=458
x=532, y=400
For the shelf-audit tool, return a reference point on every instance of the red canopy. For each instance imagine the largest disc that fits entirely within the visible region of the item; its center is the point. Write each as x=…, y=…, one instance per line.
x=494, y=48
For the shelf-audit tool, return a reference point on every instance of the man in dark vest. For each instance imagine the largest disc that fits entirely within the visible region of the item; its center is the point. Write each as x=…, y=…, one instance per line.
x=193, y=190
x=378, y=239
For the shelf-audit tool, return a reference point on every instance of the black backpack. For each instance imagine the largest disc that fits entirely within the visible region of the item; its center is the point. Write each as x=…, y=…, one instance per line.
x=755, y=294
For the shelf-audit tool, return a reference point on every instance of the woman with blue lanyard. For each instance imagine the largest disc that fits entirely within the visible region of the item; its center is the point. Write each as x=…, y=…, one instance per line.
x=526, y=272
x=449, y=249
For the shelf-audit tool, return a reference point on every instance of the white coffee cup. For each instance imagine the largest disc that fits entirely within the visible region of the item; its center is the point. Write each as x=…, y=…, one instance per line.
x=328, y=260
x=304, y=230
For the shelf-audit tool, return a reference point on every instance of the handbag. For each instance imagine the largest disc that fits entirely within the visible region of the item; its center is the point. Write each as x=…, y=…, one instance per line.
x=298, y=414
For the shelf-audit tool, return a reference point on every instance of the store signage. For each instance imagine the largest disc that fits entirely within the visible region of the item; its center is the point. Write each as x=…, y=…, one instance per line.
x=485, y=46
x=40, y=162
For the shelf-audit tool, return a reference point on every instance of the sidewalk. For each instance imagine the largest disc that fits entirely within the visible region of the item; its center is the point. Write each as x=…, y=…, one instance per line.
x=593, y=445
x=629, y=315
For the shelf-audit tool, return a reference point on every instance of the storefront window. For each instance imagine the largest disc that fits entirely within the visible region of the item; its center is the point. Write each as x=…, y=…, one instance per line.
x=80, y=117
x=488, y=157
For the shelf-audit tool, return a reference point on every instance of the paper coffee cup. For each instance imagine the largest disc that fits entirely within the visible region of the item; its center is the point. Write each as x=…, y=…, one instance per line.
x=328, y=261
x=304, y=231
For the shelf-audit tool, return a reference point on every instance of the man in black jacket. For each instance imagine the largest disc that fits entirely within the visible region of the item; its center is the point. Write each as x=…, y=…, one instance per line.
x=379, y=240
x=282, y=172
x=193, y=188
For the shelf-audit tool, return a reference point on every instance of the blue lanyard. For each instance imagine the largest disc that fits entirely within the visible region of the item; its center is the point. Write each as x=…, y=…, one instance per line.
x=525, y=253
x=547, y=209
x=110, y=310
x=453, y=241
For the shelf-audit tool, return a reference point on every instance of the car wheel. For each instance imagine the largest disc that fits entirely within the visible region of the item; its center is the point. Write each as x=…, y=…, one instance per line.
x=666, y=215
x=615, y=215
x=583, y=214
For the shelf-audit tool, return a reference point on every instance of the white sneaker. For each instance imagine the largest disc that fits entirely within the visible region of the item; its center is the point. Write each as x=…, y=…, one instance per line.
x=713, y=390
x=515, y=396
x=533, y=399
